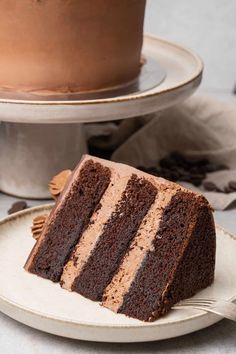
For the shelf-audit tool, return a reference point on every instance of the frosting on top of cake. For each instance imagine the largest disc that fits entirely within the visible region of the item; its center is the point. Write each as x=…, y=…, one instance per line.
x=62, y=47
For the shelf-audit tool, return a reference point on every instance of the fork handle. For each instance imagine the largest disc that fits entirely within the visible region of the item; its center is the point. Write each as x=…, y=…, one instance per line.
x=223, y=311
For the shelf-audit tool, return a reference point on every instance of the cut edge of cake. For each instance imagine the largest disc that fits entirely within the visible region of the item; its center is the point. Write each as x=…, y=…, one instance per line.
x=129, y=262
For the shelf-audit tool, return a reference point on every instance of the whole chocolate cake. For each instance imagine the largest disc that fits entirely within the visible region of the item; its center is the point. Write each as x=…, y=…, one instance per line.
x=135, y=242
x=65, y=46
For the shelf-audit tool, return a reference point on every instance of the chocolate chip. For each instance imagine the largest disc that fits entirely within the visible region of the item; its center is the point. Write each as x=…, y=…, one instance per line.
x=201, y=162
x=194, y=169
x=213, y=167
x=232, y=185
x=177, y=167
x=168, y=162
x=227, y=189
x=166, y=173
x=196, y=182
x=198, y=164
x=171, y=175
x=179, y=159
x=185, y=177
x=152, y=170
x=198, y=175
x=234, y=90
x=201, y=176
x=210, y=186
x=17, y=206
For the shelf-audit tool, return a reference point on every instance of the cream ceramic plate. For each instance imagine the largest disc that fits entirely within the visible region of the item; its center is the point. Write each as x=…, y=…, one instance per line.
x=42, y=304
x=177, y=72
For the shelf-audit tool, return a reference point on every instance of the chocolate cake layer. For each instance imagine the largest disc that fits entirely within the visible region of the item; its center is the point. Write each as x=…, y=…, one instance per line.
x=138, y=249
x=70, y=219
x=150, y=293
x=118, y=232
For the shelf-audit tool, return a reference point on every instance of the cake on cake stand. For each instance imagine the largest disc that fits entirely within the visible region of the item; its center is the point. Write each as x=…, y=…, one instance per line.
x=39, y=137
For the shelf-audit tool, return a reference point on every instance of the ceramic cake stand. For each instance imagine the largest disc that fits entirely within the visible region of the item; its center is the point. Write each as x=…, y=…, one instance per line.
x=38, y=139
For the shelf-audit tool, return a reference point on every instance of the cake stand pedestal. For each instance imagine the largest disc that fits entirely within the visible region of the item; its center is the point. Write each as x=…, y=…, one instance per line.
x=32, y=153
x=38, y=139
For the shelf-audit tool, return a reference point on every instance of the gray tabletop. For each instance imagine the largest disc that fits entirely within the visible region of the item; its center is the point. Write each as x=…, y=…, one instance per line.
x=19, y=339
x=209, y=28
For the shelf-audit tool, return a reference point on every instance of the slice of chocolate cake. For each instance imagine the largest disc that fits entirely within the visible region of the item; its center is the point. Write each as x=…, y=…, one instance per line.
x=133, y=241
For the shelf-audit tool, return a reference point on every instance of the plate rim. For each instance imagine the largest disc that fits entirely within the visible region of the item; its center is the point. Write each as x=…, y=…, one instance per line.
x=196, y=76
x=13, y=304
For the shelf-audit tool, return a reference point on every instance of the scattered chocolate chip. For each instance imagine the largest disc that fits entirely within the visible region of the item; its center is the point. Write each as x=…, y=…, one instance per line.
x=179, y=159
x=17, y=206
x=201, y=162
x=174, y=176
x=213, y=167
x=232, y=185
x=198, y=163
x=168, y=162
x=185, y=178
x=210, y=186
x=161, y=172
x=177, y=167
x=168, y=174
x=234, y=90
x=203, y=169
x=200, y=176
x=227, y=189
x=196, y=182
x=194, y=169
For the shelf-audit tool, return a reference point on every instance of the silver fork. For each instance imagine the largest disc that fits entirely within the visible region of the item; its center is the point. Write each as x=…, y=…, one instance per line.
x=222, y=308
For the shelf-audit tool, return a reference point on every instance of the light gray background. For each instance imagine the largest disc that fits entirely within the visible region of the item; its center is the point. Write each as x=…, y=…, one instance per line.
x=209, y=27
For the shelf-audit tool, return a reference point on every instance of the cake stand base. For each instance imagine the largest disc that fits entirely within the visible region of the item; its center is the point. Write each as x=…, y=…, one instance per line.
x=31, y=154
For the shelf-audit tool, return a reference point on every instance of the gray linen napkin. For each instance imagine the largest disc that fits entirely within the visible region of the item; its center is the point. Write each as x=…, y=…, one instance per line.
x=200, y=127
